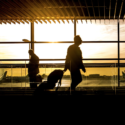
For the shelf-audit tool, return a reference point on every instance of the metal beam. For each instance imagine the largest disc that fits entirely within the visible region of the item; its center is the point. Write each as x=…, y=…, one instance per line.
x=81, y=8
x=121, y=9
x=104, y=10
x=59, y=10
x=74, y=27
x=35, y=21
x=32, y=35
x=48, y=21
x=46, y=11
x=21, y=21
x=118, y=56
x=76, y=8
x=26, y=21
x=93, y=10
x=54, y=21
x=63, y=21
x=12, y=21
x=70, y=8
x=115, y=9
x=64, y=8
x=17, y=21
x=109, y=10
x=51, y=12
x=99, y=11
x=87, y=10
x=42, y=11
x=40, y=21
x=3, y=21
x=57, y=18
x=7, y=21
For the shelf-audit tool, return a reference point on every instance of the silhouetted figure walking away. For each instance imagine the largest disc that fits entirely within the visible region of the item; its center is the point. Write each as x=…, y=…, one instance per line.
x=33, y=68
x=74, y=62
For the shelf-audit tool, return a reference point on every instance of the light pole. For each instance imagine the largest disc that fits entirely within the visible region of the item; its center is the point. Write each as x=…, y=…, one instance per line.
x=26, y=40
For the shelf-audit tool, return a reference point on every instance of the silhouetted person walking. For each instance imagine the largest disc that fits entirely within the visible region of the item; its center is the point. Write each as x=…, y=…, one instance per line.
x=74, y=62
x=33, y=68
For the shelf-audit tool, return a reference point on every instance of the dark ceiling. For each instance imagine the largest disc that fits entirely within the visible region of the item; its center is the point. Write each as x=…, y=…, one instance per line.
x=25, y=11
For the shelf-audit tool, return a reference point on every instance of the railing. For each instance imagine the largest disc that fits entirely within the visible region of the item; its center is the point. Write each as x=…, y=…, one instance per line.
x=88, y=81
x=17, y=74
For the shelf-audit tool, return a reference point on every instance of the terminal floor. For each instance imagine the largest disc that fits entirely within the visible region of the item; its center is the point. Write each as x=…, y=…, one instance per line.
x=87, y=106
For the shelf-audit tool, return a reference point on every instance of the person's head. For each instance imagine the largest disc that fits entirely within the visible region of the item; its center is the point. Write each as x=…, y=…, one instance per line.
x=77, y=40
x=30, y=51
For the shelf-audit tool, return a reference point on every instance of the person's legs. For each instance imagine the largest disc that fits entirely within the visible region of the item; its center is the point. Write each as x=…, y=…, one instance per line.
x=76, y=78
x=32, y=81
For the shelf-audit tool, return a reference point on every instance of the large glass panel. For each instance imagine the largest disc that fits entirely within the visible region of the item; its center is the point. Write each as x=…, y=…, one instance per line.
x=98, y=30
x=14, y=76
x=122, y=76
x=94, y=76
x=122, y=72
x=99, y=50
x=54, y=31
x=122, y=30
x=14, y=51
x=99, y=77
x=51, y=50
x=101, y=63
x=122, y=50
x=14, y=32
x=89, y=50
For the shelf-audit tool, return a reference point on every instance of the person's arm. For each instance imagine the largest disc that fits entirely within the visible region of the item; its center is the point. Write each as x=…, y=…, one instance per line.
x=82, y=65
x=66, y=63
x=83, y=68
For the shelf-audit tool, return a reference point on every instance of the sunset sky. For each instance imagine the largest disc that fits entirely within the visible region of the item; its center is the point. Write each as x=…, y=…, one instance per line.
x=95, y=31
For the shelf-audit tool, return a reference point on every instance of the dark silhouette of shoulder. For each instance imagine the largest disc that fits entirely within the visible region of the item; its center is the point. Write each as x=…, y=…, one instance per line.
x=34, y=59
x=74, y=52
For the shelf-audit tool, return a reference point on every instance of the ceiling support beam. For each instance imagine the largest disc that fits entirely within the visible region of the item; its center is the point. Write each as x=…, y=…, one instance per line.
x=26, y=21
x=104, y=11
x=109, y=9
x=121, y=9
x=93, y=10
x=60, y=11
x=40, y=21
x=65, y=10
x=115, y=8
x=70, y=8
x=99, y=11
x=76, y=8
x=87, y=10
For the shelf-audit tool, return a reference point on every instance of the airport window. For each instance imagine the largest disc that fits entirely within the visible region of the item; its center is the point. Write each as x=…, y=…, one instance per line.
x=14, y=51
x=54, y=31
x=14, y=32
x=91, y=32
x=99, y=30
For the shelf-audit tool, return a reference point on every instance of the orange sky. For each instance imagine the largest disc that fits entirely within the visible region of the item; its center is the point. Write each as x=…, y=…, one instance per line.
x=62, y=32
x=94, y=31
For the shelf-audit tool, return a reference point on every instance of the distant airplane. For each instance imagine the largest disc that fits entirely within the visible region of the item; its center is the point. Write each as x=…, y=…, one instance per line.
x=8, y=79
x=3, y=77
x=15, y=79
x=123, y=73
